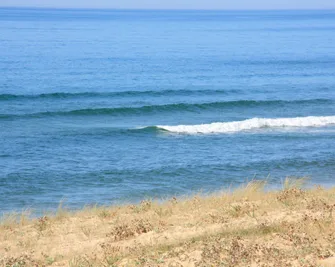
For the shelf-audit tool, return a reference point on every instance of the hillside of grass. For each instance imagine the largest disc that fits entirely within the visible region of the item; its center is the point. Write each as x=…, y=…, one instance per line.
x=247, y=227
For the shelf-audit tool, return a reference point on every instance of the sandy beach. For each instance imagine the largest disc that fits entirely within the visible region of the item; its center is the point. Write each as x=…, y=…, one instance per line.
x=247, y=227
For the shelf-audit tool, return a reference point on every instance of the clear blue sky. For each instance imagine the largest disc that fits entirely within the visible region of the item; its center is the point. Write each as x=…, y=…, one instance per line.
x=176, y=4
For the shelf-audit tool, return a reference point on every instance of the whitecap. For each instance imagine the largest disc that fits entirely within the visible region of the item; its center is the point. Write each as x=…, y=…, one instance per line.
x=250, y=124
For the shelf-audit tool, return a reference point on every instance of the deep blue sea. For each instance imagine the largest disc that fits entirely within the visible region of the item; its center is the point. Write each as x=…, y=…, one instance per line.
x=112, y=106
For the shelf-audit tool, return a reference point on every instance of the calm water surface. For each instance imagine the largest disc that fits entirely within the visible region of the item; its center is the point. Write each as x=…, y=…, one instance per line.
x=115, y=106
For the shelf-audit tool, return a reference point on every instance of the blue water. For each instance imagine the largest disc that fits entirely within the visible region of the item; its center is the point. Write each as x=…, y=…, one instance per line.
x=89, y=100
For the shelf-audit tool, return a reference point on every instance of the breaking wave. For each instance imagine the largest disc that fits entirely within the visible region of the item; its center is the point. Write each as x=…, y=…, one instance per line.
x=250, y=124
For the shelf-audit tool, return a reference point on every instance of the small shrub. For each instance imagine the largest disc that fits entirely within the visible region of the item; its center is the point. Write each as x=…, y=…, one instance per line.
x=121, y=232
x=42, y=223
x=142, y=226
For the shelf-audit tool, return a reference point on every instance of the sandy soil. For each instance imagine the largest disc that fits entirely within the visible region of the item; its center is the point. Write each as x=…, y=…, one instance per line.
x=247, y=227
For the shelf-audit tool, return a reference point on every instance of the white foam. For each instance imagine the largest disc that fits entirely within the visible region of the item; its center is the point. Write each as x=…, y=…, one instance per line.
x=251, y=124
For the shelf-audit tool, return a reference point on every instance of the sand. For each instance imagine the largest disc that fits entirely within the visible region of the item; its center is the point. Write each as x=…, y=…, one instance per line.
x=247, y=227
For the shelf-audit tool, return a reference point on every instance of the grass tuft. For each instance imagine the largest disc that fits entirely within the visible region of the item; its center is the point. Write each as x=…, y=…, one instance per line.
x=293, y=182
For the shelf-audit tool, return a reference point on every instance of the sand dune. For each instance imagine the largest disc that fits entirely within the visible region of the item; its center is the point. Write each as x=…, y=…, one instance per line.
x=247, y=227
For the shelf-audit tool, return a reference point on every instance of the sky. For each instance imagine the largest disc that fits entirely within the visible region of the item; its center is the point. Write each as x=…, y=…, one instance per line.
x=174, y=4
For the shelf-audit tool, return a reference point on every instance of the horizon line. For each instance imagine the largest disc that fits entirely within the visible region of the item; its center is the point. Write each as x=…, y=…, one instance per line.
x=164, y=9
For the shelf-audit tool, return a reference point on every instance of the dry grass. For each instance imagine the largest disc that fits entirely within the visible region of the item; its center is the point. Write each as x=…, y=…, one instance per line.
x=247, y=227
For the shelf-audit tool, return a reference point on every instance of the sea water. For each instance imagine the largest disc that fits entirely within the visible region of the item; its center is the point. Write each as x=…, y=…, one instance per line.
x=113, y=106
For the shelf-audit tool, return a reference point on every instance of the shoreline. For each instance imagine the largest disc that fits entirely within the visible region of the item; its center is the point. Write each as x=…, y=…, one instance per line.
x=249, y=226
x=31, y=213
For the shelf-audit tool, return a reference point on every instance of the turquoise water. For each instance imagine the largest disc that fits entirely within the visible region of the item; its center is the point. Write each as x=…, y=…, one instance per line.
x=115, y=106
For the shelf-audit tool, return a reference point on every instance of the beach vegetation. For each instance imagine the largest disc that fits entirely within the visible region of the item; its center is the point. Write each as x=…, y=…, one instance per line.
x=249, y=226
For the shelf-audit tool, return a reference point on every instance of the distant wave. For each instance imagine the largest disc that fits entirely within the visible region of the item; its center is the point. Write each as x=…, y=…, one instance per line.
x=251, y=124
x=62, y=95
x=189, y=107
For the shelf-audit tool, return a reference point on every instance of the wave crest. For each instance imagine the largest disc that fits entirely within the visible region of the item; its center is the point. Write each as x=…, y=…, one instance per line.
x=177, y=107
x=250, y=124
x=168, y=92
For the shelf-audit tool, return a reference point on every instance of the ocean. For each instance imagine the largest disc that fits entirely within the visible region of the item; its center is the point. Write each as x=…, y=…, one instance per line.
x=115, y=106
